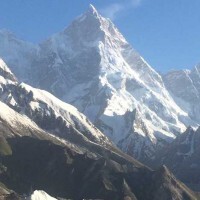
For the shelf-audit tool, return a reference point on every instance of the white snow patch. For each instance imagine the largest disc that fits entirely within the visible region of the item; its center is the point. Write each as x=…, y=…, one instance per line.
x=41, y=195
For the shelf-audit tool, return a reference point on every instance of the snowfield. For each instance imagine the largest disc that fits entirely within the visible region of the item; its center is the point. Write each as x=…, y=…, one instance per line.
x=40, y=195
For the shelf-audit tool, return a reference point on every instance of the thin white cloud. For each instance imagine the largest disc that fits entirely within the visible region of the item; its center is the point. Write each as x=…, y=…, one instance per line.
x=135, y=3
x=112, y=10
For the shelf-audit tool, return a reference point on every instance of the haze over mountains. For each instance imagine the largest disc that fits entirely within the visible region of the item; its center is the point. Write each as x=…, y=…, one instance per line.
x=124, y=101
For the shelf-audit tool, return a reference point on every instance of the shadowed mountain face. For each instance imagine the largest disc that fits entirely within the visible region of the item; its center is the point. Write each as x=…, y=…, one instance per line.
x=62, y=172
x=182, y=157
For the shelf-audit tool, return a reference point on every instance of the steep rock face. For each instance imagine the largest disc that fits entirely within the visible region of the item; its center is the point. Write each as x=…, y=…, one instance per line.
x=5, y=72
x=91, y=66
x=68, y=174
x=185, y=87
x=182, y=157
x=17, y=53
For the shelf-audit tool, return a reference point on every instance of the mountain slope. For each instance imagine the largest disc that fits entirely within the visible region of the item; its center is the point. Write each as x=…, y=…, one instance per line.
x=182, y=157
x=62, y=173
x=31, y=157
x=47, y=111
x=83, y=165
x=91, y=66
x=17, y=53
x=68, y=174
x=185, y=87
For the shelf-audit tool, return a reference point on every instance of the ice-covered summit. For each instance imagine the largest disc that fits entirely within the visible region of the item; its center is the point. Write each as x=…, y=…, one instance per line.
x=92, y=10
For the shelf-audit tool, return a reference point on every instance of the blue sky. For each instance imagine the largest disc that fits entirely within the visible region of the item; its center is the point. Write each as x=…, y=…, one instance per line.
x=165, y=32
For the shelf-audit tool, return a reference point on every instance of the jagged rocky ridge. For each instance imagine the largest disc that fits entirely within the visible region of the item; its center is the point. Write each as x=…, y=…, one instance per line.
x=47, y=111
x=182, y=157
x=80, y=166
x=91, y=66
x=40, y=161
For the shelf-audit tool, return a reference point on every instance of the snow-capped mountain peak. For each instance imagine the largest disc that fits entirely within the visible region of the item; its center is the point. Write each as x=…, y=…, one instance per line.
x=91, y=66
x=92, y=10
